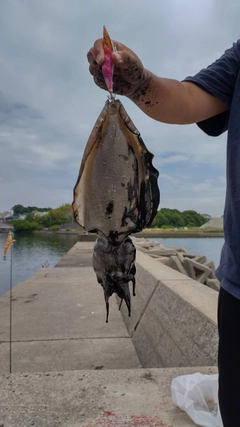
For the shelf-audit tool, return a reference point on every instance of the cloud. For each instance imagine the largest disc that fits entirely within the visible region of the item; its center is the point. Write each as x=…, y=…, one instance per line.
x=173, y=158
x=49, y=103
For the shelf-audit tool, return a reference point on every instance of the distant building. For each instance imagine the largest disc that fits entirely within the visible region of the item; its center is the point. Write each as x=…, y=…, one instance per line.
x=4, y=216
x=21, y=216
x=5, y=228
x=37, y=213
x=216, y=223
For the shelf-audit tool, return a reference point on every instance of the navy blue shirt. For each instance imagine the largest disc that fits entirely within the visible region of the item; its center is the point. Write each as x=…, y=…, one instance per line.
x=222, y=79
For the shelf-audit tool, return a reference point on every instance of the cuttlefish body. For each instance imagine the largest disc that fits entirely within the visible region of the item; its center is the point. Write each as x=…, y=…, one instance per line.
x=116, y=194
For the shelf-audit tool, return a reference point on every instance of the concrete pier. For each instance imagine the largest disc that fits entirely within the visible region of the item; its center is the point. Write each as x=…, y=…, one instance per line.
x=70, y=368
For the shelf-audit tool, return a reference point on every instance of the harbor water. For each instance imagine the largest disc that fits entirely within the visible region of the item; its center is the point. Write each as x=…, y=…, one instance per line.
x=29, y=253
x=32, y=252
x=209, y=246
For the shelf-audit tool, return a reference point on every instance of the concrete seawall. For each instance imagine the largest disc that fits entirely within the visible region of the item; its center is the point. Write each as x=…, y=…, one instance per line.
x=71, y=369
x=174, y=318
x=91, y=237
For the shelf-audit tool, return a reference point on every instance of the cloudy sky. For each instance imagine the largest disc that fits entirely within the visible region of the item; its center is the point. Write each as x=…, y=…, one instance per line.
x=49, y=102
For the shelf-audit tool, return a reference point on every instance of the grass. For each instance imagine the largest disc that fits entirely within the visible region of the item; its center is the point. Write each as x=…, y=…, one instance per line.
x=182, y=230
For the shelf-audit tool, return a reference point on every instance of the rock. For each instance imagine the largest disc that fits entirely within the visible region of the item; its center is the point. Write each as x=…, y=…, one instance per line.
x=163, y=259
x=196, y=270
x=209, y=263
x=213, y=284
x=183, y=250
x=175, y=263
x=142, y=249
x=145, y=245
x=180, y=257
x=201, y=259
x=187, y=255
x=155, y=256
x=162, y=251
x=189, y=268
x=195, y=266
x=172, y=247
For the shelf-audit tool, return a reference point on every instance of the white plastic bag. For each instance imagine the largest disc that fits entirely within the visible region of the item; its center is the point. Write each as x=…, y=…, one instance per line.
x=197, y=395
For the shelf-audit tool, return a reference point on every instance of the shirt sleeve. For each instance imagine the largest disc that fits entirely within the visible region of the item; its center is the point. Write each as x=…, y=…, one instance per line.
x=219, y=79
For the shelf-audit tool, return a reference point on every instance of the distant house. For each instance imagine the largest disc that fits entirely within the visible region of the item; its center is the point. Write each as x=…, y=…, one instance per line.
x=10, y=218
x=37, y=213
x=4, y=216
x=7, y=216
x=4, y=228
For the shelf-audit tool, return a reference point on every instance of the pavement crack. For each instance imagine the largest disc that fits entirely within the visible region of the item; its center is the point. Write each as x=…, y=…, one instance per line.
x=66, y=339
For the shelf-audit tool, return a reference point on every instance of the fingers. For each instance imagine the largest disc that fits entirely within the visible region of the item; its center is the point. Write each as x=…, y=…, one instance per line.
x=93, y=66
x=95, y=58
x=117, y=58
x=96, y=72
x=128, y=69
x=95, y=69
x=100, y=82
x=97, y=52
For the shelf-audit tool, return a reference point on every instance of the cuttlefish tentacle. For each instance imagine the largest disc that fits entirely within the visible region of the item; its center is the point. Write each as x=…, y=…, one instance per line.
x=114, y=266
x=107, y=305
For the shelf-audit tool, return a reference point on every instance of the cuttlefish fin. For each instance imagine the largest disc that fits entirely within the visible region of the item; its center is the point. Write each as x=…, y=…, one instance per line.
x=107, y=65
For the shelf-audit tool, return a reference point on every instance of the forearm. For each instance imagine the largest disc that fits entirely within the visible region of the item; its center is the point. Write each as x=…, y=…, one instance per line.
x=172, y=101
x=165, y=100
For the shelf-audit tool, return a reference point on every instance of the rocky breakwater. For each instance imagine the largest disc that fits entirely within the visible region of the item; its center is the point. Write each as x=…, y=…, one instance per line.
x=198, y=267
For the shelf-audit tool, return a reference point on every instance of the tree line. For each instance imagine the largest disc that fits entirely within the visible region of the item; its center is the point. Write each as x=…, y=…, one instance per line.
x=172, y=218
x=25, y=210
x=52, y=220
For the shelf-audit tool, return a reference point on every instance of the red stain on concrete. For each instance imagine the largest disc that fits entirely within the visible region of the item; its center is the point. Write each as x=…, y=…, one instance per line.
x=111, y=419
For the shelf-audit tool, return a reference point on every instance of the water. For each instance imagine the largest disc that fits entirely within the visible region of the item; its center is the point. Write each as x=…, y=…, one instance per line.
x=208, y=246
x=29, y=253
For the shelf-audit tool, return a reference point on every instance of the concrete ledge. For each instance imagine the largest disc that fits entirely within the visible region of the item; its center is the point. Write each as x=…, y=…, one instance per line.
x=178, y=234
x=84, y=237
x=109, y=398
x=91, y=237
x=59, y=328
x=59, y=323
x=80, y=255
x=174, y=318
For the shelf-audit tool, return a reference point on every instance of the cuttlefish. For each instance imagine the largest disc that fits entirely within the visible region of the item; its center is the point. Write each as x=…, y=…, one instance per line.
x=116, y=192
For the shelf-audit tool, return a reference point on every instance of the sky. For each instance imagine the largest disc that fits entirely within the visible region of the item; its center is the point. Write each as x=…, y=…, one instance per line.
x=49, y=102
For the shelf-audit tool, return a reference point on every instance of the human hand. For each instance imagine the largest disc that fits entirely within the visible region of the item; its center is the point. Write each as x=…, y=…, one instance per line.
x=130, y=78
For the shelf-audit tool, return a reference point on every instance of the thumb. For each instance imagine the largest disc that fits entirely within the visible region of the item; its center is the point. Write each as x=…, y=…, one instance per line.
x=117, y=58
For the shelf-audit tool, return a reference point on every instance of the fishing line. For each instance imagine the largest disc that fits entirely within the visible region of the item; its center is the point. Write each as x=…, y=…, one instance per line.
x=8, y=245
x=10, y=313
